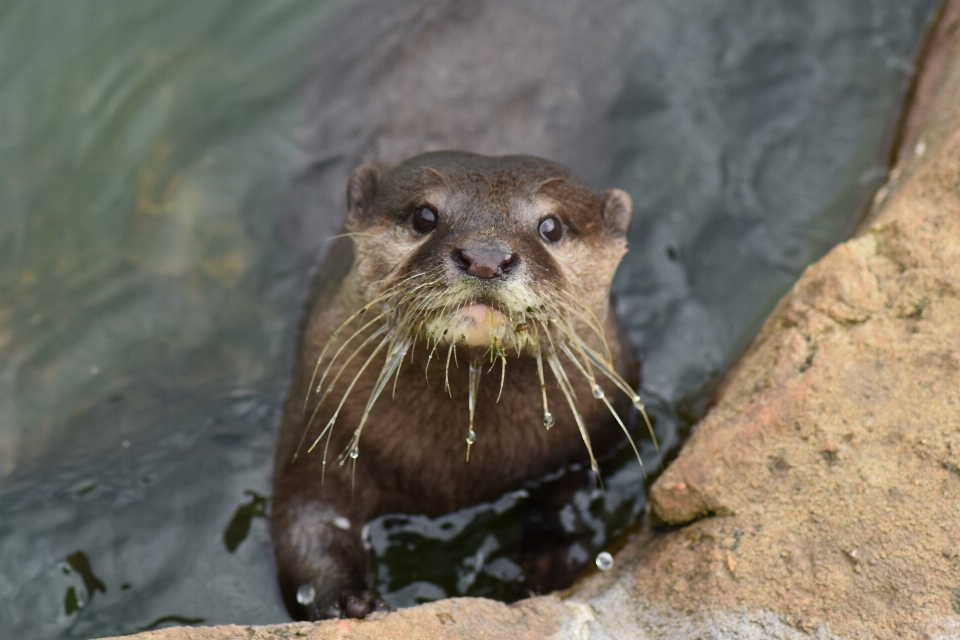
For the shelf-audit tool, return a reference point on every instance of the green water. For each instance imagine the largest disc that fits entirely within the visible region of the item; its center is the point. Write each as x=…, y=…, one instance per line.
x=145, y=302
x=144, y=153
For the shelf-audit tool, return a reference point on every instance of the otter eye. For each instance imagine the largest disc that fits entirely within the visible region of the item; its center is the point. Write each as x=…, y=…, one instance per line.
x=551, y=229
x=424, y=219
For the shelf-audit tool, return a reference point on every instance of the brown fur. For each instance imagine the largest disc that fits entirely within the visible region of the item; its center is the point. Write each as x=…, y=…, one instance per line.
x=412, y=449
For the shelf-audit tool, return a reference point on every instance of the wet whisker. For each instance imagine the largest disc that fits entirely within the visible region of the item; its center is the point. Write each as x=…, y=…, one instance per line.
x=380, y=331
x=474, y=376
x=565, y=387
x=329, y=427
x=391, y=364
x=599, y=394
x=615, y=378
x=383, y=296
x=548, y=419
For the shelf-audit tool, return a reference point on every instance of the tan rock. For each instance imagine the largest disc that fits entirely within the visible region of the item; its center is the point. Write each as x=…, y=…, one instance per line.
x=474, y=618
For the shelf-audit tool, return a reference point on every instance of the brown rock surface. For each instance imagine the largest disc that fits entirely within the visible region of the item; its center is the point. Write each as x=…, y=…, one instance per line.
x=821, y=496
x=473, y=618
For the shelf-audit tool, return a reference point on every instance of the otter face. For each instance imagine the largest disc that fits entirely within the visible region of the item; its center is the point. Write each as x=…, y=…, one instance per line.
x=487, y=252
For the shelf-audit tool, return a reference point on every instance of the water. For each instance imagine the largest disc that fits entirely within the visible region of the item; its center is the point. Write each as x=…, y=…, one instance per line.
x=148, y=303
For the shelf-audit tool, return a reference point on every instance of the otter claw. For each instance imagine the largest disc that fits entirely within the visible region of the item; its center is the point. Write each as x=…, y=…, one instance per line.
x=349, y=604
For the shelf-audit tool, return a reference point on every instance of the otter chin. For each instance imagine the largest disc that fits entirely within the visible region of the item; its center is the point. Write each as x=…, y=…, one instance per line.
x=458, y=342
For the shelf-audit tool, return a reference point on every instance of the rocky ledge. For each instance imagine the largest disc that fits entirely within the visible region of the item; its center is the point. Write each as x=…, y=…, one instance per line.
x=821, y=495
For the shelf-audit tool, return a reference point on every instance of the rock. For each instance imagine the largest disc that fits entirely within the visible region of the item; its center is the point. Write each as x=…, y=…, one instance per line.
x=820, y=498
x=535, y=618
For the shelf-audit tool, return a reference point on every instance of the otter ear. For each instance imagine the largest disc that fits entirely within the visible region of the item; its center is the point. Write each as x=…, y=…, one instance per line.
x=361, y=189
x=617, y=212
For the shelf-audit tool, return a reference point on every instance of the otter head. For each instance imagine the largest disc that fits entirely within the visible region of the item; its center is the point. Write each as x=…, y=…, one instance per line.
x=491, y=253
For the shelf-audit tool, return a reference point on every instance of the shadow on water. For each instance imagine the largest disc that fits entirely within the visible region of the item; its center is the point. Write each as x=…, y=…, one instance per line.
x=148, y=303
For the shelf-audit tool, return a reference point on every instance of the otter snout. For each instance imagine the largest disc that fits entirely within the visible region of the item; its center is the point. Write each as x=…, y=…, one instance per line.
x=486, y=260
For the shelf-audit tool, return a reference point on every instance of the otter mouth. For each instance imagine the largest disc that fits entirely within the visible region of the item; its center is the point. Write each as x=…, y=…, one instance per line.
x=479, y=324
x=474, y=324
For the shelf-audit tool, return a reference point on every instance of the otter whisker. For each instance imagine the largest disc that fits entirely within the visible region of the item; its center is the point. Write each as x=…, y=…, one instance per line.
x=379, y=332
x=343, y=346
x=614, y=377
x=565, y=387
x=608, y=369
x=588, y=353
x=474, y=377
x=455, y=338
x=426, y=367
x=429, y=335
x=391, y=364
x=577, y=308
x=386, y=339
x=411, y=340
x=353, y=234
x=503, y=374
x=389, y=292
x=396, y=376
x=600, y=395
x=358, y=332
x=404, y=328
x=446, y=372
x=438, y=174
x=582, y=366
x=567, y=326
x=336, y=378
x=548, y=419
x=333, y=384
x=419, y=307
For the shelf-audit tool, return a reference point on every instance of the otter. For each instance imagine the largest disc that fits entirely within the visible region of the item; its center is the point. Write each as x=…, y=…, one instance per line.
x=458, y=341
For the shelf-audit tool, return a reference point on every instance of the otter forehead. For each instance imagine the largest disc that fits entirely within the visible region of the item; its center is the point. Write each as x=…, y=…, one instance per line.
x=475, y=191
x=520, y=167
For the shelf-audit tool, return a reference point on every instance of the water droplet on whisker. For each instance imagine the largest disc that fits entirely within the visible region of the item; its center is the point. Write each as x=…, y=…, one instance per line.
x=597, y=391
x=471, y=436
x=548, y=420
x=354, y=453
x=306, y=594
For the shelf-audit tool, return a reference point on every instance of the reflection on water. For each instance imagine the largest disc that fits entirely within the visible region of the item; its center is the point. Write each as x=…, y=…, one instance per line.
x=481, y=551
x=239, y=527
x=147, y=303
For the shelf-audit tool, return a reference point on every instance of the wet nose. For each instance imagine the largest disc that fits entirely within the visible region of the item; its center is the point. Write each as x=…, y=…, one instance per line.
x=486, y=262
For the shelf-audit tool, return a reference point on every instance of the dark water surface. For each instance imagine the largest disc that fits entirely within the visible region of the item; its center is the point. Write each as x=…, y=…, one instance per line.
x=148, y=303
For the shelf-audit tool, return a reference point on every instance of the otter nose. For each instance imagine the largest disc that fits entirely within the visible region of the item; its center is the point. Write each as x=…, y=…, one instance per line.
x=485, y=262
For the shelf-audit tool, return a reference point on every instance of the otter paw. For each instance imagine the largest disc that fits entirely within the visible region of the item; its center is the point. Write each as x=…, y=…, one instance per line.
x=347, y=603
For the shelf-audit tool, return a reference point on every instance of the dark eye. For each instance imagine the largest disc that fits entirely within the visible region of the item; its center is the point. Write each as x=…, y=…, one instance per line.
x=424, y=219
x=551, y=229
